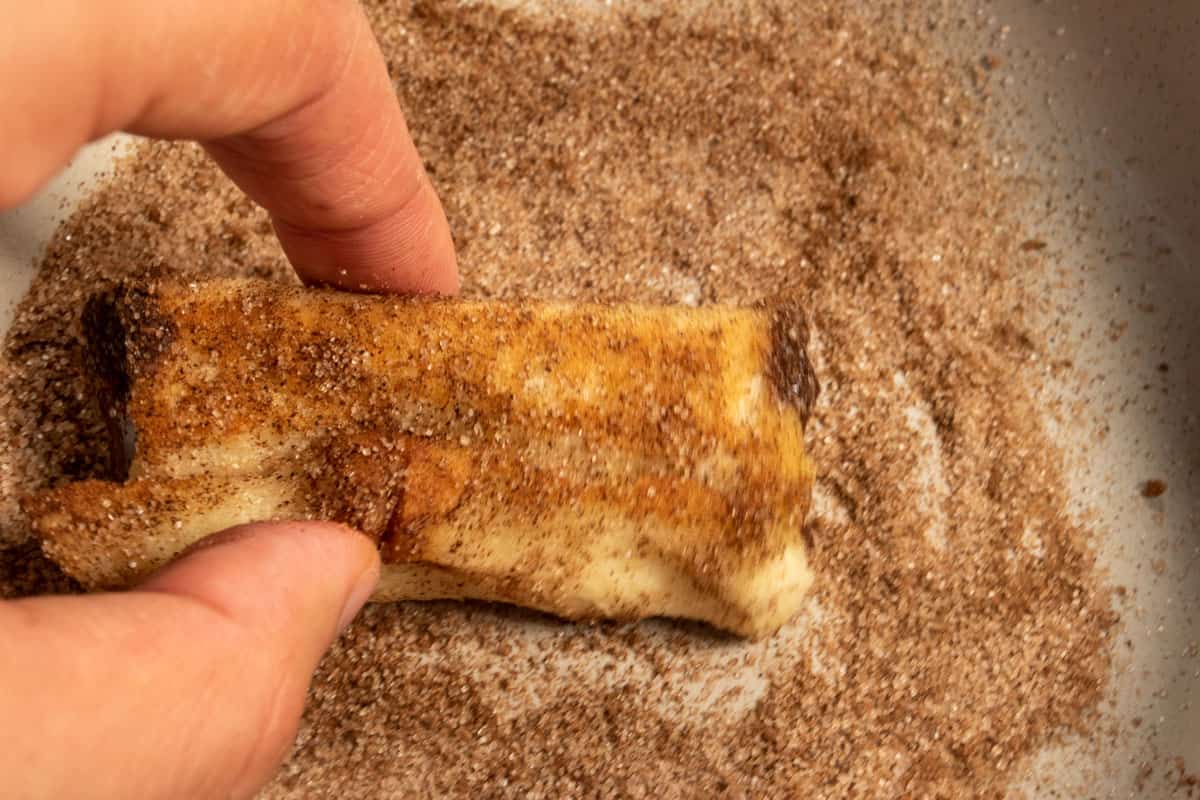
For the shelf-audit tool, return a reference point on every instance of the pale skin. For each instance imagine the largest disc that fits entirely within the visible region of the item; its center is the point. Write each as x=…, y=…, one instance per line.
x=192, y=685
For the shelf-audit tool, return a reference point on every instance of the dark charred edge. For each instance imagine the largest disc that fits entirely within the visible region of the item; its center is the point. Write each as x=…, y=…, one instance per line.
x=124, y=335
x=788, y=366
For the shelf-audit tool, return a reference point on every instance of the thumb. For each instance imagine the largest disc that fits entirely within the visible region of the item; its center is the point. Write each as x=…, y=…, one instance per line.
x=191, y=685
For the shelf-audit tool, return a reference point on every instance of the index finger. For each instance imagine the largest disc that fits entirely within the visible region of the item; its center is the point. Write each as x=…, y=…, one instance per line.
x=291, y=98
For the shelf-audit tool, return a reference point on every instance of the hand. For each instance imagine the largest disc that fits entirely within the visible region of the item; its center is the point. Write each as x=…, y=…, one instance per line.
x=192, y=685
x=291, y=97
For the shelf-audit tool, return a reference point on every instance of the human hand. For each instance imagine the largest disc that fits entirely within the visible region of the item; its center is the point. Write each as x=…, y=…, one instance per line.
x=192, y=685
x=291, y=97
x=189, y=686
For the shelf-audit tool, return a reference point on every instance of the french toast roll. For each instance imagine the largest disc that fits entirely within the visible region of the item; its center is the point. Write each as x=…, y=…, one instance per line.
x=590, y=461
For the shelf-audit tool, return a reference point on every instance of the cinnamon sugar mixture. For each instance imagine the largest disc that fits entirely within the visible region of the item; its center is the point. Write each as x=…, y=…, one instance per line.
x=959, y=623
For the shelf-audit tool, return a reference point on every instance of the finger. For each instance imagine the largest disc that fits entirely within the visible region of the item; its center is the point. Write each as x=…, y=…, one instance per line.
x=292, y=99
x=192, y=685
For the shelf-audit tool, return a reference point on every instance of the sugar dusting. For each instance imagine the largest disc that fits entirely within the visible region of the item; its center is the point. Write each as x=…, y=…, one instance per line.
x=959, y=624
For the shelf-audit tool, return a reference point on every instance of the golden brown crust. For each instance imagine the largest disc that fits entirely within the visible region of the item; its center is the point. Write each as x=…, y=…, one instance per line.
x=526, y=448
x=254, y=335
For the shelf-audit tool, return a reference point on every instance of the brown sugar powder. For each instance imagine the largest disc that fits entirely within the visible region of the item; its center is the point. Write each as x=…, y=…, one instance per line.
x=725, y=154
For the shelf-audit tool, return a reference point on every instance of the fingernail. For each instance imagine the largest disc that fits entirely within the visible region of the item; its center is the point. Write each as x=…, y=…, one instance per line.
x=357, y=598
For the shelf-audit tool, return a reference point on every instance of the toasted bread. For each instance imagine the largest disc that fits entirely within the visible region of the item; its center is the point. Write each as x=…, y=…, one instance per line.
x=590, y=461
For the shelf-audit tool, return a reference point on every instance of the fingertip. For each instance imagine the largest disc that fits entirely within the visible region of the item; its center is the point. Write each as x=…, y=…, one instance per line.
x=285, y=591
x=409, y=251
x=364, y=587
x=266, y=575
x=294, y=540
